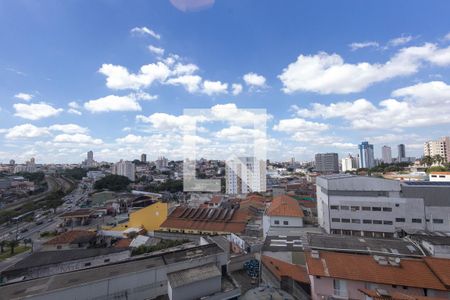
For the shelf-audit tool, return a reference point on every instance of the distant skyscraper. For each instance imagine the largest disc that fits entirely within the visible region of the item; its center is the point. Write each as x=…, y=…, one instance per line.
x=12, y=162
x=327, y=162
x=366, y=157
x=125, y=168
x=162, y=163
x=401, y=152
x=386, y=154
x=439, y=147
x=143, y=158
x=349, y=163
x=245, y=175
x=89, y=161
x=90, y=156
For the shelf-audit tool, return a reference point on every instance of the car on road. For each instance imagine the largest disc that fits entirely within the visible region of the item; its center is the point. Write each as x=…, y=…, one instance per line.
x=23, y=230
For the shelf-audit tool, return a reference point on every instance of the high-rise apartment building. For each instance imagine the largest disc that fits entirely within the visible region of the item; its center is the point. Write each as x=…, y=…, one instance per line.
x=386, y=154
x=245, y=175
x=439, y=147
x=366, y=156
x=401, y=157
x=162, y=163
x=327, y=162
x=125, y=168
x=89, y=161
x=143, y=158
x=349, y=163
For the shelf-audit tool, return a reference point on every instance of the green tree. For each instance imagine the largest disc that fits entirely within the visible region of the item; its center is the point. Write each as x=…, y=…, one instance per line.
x=438, y=159
x=3, y=244
x=113, y=183
x=12, y=245
x=427, y=160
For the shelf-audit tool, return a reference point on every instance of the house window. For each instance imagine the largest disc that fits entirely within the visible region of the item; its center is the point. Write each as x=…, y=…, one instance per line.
x=367, y=221
x=366, y=208
x=416, y=220
x=340, y=287
x=387, y=222
x=334, y=207
x=285, y=222
x=344, y=207
x=106, y=260
x=58, y=247
x=356, y=221
x=377, y=222
x=387, y=208
x=438, y=221
x=345, y=220
x=397, y=205
x=354, y=208
x=336, y=220
x=276, y=222
x=400, y=220
x=376, y=208
x=87, y=264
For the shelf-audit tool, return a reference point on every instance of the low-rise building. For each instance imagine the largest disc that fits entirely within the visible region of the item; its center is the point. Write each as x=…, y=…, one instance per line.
x=342, y=275
x=74, y=239
x=439, y=176
x=284, y=211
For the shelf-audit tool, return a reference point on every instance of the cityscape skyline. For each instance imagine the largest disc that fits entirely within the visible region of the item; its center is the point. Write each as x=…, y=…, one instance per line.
x=129, y=82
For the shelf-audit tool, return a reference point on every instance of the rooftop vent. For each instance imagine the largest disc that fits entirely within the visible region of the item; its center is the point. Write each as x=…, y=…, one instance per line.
x=315, y=254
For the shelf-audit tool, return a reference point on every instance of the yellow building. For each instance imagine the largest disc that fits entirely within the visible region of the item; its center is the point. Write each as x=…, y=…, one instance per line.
x=150, y=217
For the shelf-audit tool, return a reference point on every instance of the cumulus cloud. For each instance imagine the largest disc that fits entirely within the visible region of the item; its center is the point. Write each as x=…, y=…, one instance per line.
x=299, y=125
x=156, y=50
x=236, y=88
x=130, y=139
x=417, y=107
x=113, y=103
x=361, y=45
x=163, y=121
x=76, y=139
x=25, y=131
x=400, y=41
x=24, y=96
x=214, y=87
x=145, y=31
x=328, y=73
x=237, y=133
x=189, y=82
x=35, y=111
x=118, y=77
x=68, y=128
x=254, y=80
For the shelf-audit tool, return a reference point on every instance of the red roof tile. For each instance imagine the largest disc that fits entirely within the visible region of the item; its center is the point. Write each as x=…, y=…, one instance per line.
x=441, y=268
x=410, y=272
x=281, y=268
x=395, y=296
x=285, y=206
x=122, y=243
x=72, y=237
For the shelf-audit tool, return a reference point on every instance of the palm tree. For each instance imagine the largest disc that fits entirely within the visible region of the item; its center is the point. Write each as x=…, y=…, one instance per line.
x=2, y=246
x=13, y=244
x=427, y=160
x=438, y=159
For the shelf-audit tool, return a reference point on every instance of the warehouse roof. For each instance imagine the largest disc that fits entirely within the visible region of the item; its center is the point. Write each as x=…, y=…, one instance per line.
x=192, y=275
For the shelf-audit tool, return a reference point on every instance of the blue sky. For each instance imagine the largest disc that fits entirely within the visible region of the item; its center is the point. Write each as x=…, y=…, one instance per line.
x=80, y=75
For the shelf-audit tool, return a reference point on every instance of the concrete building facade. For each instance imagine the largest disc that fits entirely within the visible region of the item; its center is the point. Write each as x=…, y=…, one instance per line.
x=366, y=155
x=327, y=162
x=386, y=154
x=125, y=168
x=245, y=175
x=438, y=147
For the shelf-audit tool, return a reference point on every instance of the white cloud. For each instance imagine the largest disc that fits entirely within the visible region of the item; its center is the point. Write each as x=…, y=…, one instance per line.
x=130, y=139
x=344, y=145
x=74, y=104
x=418, y=108
x=237, y=133
x=68, y=128
x=254, y=80
x=145, y=31
x=299, y=125
x=25, y=131
x=236, y=88
x=118, y=77
x=156, y=50
x=400, y=41
x=163, y=121
x=35, y=111
x=214, y=87
x=328, y=73
x=189, y=82
x=113, y=103
x=356, y=46
x=77, y=138
x=231, y=113
x=447, y=37
x=24, y=96
x=74, y=111
x=184, y=69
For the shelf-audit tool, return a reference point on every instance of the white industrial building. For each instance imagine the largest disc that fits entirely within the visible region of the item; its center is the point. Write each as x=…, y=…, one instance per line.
x=368, y=206
x=245, y=175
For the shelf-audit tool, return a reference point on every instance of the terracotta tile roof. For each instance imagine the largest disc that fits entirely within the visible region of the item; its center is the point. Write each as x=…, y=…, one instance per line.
x=440, y=268
x=395, y=296
x=365, y=268
x=123, y=243
x=441, y=173
x=72, y=237
x=285, y=206
x=281, y=268
x=207, y=219
x=216, y=199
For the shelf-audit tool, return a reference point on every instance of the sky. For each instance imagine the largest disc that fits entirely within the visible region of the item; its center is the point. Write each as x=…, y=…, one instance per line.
x=298, y=77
